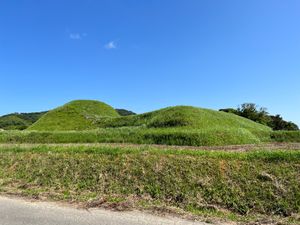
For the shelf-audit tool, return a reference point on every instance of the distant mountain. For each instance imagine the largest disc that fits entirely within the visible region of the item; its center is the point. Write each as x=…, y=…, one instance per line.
x=19, y=121
x=124, y=112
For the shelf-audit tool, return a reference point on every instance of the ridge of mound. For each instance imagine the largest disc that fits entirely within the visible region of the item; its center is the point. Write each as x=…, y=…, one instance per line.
x=184, y=116
x=75, y=115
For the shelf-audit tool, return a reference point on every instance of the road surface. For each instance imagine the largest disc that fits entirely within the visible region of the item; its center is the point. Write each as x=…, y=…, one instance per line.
x=21, y=212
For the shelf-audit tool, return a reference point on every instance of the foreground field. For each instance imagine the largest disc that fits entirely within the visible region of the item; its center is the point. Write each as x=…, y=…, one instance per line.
x=234, y=185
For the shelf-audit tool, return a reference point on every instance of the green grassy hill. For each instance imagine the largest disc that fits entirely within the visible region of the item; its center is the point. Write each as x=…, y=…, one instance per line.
x=19, y=121
x=75, y=115
x=186, y=125
x=179, y=125
x=184, y=116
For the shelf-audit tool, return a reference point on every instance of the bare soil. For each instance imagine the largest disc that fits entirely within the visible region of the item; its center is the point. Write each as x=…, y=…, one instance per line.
x=231, y=148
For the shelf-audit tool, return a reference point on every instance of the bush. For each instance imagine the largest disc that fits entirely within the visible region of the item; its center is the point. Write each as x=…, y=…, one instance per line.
x=285, y=136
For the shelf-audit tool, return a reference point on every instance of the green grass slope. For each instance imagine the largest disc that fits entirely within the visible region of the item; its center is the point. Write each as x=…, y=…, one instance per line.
x=19, y=121
x=13, y=122
x=186, y=125
x=233, y=184
x=75, y=115
x=184, y=116
x=180, y=125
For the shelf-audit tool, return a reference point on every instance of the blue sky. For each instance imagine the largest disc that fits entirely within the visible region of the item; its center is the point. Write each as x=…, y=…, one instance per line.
x=145, y=55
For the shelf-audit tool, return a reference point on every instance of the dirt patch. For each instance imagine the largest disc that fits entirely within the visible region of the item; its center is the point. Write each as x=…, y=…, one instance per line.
x=233, y=148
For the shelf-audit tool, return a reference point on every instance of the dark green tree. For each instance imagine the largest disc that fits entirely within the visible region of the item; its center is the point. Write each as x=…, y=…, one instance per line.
x=254, y=112
x=260, y=115
x=277, y=123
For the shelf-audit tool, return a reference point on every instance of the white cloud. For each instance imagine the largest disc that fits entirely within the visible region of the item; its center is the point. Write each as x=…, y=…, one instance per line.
x=77, y=36
x=110, y=45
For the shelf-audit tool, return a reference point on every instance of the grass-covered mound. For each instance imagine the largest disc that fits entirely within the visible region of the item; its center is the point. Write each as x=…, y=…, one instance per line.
x=75, y=115
x=242, y=183
x=186, y=125
x=180, y=125
x=185, y=116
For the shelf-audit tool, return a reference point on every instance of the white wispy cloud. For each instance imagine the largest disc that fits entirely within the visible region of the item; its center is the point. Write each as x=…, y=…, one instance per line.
x=77, y=36
x=110, y=45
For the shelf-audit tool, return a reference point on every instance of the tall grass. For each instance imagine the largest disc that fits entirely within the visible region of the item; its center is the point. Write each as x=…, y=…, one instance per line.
x=263, y=182
x=139, y=135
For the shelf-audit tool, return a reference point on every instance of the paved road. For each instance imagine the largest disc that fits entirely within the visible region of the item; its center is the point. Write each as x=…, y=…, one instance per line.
x=20, y=212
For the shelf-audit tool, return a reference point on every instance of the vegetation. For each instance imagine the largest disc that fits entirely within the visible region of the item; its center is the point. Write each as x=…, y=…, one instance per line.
x=183, y=116
x=19, y=121
x=124, y=112
x=277, y=123
x=169, y=136
x=286, y=136
x=230, y=184
x=260, y=115
x=95, y=114
x=75, y=115
x=181, y=125
x=244, y=183
x=96, y=122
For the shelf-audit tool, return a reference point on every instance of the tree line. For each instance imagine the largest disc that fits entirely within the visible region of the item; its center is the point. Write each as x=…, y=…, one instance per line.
x=260, y=115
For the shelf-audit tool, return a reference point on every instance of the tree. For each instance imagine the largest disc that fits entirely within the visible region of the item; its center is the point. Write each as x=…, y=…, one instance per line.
x=254, y=112
x=277, y=123
x=260, y=115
